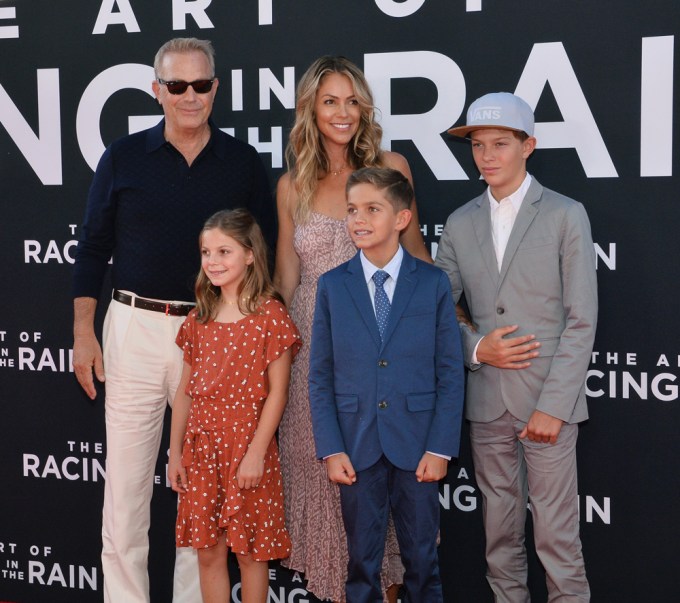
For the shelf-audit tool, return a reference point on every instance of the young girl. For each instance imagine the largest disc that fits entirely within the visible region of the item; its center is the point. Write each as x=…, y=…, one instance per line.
x=238, y=346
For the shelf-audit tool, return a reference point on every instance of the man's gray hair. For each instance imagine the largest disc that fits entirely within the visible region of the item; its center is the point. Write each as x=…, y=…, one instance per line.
x=184, y=45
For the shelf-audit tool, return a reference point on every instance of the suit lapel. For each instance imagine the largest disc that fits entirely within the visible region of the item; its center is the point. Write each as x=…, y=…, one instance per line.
x=526, y=215
x=355, y=282
x=406, y=285
x=481, y=221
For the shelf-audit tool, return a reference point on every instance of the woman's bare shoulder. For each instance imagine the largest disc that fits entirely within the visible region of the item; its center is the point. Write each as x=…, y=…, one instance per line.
x=397, y=161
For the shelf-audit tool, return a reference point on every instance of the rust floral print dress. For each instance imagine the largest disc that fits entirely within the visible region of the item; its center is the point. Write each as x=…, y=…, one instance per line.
x=228, y=388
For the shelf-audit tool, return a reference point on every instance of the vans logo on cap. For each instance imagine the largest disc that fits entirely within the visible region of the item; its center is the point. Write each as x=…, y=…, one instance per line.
x=486, y=113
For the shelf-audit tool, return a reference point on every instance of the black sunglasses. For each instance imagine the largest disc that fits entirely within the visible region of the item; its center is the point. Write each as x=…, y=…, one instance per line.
x=180, y=87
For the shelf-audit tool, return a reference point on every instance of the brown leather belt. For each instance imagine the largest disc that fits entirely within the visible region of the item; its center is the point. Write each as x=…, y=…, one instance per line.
x=154, y=306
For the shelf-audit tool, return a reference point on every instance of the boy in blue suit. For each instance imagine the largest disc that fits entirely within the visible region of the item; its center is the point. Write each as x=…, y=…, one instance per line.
x=386, y=389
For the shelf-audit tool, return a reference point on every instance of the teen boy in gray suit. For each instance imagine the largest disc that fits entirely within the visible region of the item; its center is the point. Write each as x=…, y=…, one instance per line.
x=523, y=257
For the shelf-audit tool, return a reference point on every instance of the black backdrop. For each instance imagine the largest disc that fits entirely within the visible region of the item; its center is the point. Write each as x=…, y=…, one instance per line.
x=601, y=76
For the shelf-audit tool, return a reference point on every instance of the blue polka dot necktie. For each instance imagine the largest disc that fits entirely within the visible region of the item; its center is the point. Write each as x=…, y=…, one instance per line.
x=382, y=302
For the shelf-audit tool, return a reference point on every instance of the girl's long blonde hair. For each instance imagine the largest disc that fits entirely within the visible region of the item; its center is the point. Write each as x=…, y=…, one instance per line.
x=306, y=156
x=256, y=285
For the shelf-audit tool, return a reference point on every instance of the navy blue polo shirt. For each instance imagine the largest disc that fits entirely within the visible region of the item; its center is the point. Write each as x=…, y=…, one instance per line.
x=146, y=207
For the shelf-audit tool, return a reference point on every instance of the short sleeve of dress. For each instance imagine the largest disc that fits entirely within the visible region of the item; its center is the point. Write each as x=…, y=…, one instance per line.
x=185, y=336
x=282, y=333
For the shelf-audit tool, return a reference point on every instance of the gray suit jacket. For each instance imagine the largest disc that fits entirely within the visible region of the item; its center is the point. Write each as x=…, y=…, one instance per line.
x=547, y=285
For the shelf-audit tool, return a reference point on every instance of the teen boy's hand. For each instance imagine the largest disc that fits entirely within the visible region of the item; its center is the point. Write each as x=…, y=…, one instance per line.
x=512, y=353
x=542, y=427
x=431, y=468
x=340, y=469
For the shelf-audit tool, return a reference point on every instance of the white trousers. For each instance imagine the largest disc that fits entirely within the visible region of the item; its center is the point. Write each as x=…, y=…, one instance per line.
x=143, y=367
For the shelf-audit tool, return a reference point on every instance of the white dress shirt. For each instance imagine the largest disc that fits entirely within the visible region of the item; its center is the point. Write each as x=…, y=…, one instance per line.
x=503, y=215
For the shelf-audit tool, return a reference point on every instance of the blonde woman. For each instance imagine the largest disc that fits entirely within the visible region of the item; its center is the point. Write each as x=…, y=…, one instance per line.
x=335, y=133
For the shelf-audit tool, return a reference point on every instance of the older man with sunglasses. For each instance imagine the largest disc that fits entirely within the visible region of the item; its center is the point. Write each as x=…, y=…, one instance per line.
x=150, y=195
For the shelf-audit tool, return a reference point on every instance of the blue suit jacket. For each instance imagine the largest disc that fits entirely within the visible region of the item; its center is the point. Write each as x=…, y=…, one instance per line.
x=401, y=397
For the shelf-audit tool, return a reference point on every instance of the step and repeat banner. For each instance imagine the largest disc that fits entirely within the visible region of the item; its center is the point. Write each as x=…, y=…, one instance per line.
x=76, y=74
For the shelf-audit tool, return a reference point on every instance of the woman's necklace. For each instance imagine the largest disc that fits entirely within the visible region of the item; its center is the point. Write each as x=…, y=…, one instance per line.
x=339, y=170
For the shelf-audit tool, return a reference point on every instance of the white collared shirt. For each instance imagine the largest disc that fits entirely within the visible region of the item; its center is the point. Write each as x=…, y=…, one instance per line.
x=503, y=215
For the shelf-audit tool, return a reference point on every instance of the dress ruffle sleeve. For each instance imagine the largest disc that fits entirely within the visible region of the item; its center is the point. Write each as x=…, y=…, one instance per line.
x=185, y=336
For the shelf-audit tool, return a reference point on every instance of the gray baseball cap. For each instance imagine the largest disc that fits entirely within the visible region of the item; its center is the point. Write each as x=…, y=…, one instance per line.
x=500, y=110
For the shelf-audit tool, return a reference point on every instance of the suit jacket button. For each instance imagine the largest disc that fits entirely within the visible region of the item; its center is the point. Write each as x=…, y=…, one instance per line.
x=382, y=404
x=382, y=363
x=500, y=310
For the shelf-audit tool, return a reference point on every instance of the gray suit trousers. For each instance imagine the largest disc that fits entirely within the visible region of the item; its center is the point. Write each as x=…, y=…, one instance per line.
x=509, y=471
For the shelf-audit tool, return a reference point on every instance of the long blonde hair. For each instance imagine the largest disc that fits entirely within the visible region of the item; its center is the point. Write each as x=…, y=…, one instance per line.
x=256, y=286
x=306, y=156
